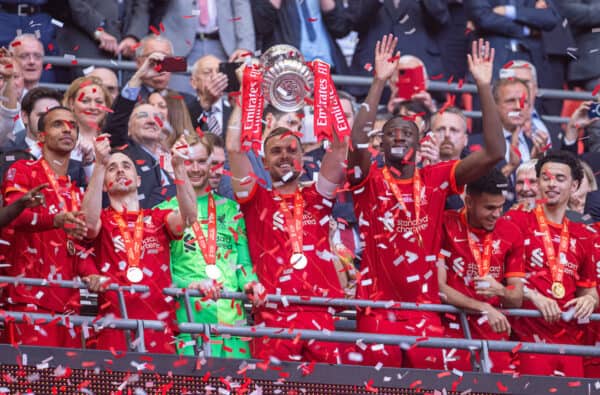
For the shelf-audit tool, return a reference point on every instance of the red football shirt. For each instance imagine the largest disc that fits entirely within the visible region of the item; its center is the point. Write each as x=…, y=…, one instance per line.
x=37, y=249
x=111, y=261
x=394, y=266
x=271, y=250
x=461, y=268
x=579, y=271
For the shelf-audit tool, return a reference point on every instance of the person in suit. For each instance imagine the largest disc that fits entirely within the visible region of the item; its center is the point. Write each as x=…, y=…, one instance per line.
x=514, y=28
x=221, y=28
x=136, y=131
x=584, y=17
x=102, y=29
x=209, y=110
x=418, y=23
x=153, y=44
x=311, y=26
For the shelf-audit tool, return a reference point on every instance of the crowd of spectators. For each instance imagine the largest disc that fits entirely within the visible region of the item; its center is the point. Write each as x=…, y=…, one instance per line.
x=145, y=178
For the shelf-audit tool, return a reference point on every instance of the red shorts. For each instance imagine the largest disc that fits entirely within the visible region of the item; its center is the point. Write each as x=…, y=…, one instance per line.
x=407, y=323
x=47, y=335
x=548, y=365
x=298, y=349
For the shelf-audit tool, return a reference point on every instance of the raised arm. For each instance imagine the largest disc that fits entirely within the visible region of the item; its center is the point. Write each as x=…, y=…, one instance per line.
x=386, y=64
x=186, y=197
x=91, y=207
x=479, y=163
x=241, y=167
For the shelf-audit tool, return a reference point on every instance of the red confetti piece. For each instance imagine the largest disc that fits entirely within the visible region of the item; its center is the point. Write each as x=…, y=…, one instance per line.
x=508, y=64
x=178, y=182
x=501, y=387
x=162, y=27
x=236, y=19
x=313, y=19
x=15, y=44
x=48, y=66
x=393, y=58
x=596, y=90
x=516, y=348
x=154, y=30
x=50, y=47
x=368, y=67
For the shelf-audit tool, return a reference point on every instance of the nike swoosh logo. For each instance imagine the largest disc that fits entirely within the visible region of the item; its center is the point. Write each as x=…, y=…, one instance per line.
x=459, y=240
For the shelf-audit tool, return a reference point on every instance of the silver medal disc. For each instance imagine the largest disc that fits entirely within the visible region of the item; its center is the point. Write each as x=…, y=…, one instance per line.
x=213, y=272
x=135, y=274
x=298, y=261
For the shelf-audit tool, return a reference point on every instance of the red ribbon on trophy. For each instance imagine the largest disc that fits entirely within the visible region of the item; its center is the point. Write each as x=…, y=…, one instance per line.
x=328, y=111
x=252, y=108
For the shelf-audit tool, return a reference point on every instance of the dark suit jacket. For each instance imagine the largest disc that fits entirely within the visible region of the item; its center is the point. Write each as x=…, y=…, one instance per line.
x=82, y=17
x=583, y=16
x=151, y=190
x=196, y=113
x=282, y=26
x=416, y=23
x=499, y=29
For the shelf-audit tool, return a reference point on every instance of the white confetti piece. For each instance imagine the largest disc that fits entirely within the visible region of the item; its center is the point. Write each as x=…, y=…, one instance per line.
x=56, y=22
x=412, y=279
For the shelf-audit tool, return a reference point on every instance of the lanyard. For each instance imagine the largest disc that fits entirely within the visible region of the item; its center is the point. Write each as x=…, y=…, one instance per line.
x=416, y=194
x=132, y=246
x=483, y=263
x=556, y=269
x=294, y=224
x=208, y=247
x=54, y=184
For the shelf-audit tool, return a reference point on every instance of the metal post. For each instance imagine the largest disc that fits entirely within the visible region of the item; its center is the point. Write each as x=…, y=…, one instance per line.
x=141, y=347
x=123, y=309
x=188, y=311
x=486, y=362
x=120, y=72
x=464, y=323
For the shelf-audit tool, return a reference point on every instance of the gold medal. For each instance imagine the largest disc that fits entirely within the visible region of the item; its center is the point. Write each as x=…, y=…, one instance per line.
x=558, y=290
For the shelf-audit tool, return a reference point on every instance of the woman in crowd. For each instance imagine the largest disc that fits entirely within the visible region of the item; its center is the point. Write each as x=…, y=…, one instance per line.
x=173, y=108
x=90, y=101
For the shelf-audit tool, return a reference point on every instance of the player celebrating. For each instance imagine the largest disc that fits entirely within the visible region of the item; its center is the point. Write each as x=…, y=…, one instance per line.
x=401, y=209
x=290, y=253
x=482, y=266
x=559, y=268
x=131, y=244
x=44, y=238
x=212, y=256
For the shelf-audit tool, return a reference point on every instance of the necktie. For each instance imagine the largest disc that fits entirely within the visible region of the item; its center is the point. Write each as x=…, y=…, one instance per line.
x=310, y=29
x=213, y=123
x=203, y=7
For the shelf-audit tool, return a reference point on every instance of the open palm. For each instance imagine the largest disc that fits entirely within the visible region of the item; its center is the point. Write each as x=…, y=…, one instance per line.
x=481, y=61
x=386, y=63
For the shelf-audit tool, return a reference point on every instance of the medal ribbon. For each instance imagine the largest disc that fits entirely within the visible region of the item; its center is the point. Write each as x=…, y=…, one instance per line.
x=483, y=265
x=322, y=121
x=208, y=247
x=294, y=225
x=133, y=247
x=54, y=184
x=252, y=108
x=556, y=269
x=416, y=194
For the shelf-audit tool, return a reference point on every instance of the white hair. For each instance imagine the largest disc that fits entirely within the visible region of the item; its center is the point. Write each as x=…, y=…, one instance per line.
x=152, y=37
x=521, y=64
x=25, y=36
x=526, y=166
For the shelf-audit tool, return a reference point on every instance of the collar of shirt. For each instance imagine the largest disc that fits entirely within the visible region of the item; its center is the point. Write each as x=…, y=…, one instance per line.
x=34, y=148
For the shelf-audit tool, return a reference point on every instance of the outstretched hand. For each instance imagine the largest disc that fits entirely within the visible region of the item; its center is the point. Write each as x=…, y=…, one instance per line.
x=481, y=61
x=386, y=63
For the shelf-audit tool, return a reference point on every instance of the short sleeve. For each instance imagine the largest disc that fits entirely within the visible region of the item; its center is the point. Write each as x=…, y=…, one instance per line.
x=515, y=257
x=587, y=270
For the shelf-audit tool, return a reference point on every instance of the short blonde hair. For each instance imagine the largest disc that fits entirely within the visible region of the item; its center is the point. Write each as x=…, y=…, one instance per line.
x=81, y=82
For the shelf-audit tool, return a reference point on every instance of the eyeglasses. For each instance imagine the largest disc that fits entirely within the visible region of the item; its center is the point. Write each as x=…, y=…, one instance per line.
x=144, y=114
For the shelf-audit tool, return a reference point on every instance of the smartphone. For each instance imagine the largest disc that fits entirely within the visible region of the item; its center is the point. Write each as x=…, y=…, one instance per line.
x=229, y=68
x=174, y=64
x=410, y=81
x=594, y=111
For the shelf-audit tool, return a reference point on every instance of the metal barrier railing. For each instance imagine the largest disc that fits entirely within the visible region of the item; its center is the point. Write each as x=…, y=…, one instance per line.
x=435, y=86
x=484, y=346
